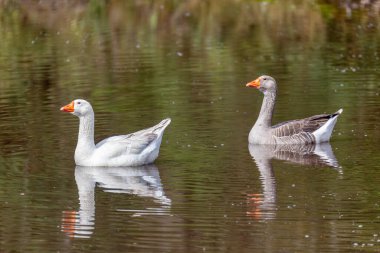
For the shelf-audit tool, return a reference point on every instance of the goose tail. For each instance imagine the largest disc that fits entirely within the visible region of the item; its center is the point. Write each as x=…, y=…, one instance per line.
x=339, y=112
x=323, y=133
x=160, y=127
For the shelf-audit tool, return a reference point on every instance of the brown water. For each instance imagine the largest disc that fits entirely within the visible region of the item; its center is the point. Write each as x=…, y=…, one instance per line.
x=138, y=62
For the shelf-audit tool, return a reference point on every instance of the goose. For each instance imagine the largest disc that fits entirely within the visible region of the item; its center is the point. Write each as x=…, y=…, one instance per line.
x=134, y=149
x=311, y=130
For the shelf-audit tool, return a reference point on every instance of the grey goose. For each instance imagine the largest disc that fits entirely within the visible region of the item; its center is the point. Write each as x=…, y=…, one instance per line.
x=314, y=129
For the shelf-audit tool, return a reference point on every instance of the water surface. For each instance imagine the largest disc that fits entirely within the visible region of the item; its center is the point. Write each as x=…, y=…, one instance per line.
x=140, y=62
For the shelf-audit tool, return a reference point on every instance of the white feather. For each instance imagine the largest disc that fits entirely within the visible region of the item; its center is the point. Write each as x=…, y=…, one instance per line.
x=323, y=133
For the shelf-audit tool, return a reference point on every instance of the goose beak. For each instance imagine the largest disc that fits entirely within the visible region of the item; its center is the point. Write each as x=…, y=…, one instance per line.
x=254, y=83
x=68, y=108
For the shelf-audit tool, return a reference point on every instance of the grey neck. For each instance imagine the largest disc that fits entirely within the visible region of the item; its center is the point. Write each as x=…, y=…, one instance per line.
x=266, y=112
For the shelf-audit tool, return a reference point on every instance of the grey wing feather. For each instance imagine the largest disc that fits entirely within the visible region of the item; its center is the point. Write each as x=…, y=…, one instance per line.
x=139, y=144
x=307, y=125
x=154, y=129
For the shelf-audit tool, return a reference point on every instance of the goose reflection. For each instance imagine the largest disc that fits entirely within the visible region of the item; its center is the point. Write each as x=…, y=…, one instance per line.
x=143, y=181
x=263, y=206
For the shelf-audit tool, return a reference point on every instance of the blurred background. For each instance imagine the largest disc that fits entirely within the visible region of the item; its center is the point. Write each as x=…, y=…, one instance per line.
x=140, y=61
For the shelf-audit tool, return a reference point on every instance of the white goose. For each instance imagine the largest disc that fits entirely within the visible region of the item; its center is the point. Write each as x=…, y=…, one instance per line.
x=133, y=149
x=315, y=129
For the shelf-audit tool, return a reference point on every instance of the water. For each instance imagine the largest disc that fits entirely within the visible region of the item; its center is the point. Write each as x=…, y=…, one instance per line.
x=140, y=62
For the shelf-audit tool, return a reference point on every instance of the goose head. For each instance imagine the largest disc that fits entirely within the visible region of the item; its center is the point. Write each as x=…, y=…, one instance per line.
x=264, y=84
x=78, y=107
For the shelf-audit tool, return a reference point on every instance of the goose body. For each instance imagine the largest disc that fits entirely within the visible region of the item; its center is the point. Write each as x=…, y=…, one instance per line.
x=133, y=149
x=314, y=129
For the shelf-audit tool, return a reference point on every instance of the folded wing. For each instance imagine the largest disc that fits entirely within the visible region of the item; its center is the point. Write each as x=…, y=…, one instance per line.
x=133, y=143
x=307, y=125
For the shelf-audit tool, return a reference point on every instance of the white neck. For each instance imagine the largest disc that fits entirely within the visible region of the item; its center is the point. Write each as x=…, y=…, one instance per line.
x=85, y=145
x=266, y=112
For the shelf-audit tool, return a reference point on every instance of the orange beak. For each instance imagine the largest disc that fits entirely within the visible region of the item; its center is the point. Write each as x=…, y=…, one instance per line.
x=254, y=83
x=68, y=108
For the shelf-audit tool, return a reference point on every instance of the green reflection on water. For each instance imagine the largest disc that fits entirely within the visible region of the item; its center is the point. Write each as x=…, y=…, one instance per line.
x=141, y=61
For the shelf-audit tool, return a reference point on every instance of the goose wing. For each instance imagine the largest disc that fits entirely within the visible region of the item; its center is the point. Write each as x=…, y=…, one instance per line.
x=133, y=143
x=307, y=125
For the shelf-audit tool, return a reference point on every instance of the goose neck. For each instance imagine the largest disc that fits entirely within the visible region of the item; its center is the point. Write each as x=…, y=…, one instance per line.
x=86, y=131
x=266, y=112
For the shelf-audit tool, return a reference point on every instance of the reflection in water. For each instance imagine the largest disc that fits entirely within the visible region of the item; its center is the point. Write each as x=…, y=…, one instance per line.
x=263, y=206
x=142, y=181
x=187, y=61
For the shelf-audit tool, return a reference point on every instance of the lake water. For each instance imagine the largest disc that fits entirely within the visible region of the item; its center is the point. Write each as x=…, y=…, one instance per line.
x=138, y=62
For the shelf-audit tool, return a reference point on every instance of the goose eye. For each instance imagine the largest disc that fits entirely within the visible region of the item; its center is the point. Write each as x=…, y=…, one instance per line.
x=264, y=79
x=78, y=103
